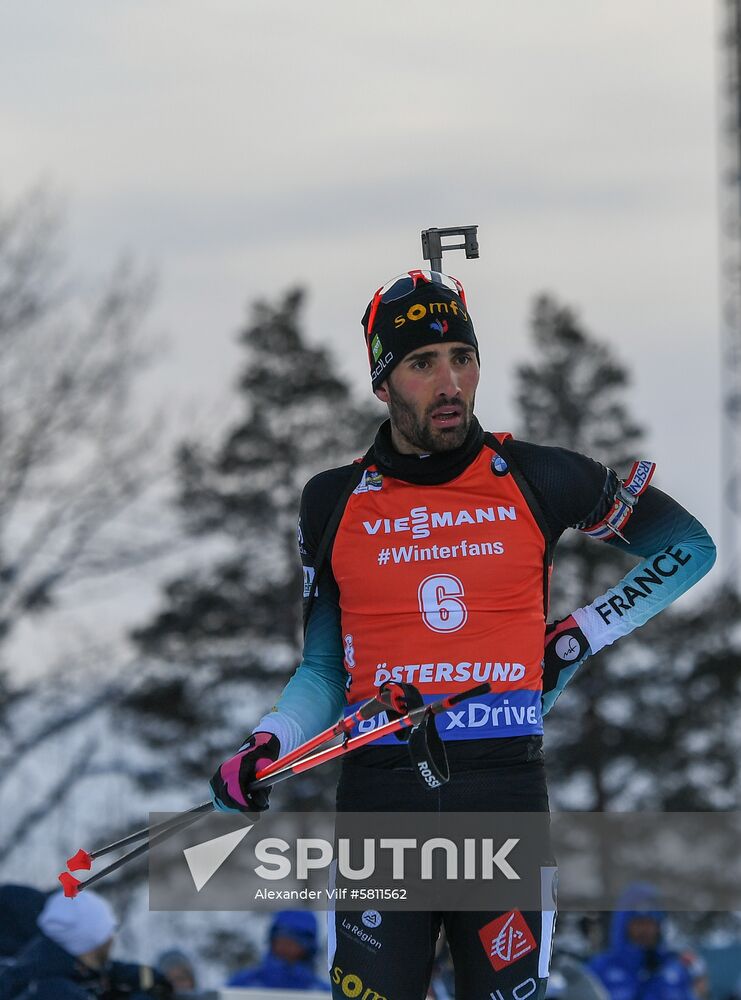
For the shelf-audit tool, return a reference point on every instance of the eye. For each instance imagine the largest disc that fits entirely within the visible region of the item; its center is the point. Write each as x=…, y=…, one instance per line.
x=420, y=365
x=464, y=359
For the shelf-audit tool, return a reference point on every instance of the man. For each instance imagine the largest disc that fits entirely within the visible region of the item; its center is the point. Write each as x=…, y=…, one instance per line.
x=638, y=963
x=437, y=575
x=69, y=960
x=289, y=962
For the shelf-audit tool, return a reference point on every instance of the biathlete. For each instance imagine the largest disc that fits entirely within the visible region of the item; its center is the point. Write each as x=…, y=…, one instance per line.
x=436, y=574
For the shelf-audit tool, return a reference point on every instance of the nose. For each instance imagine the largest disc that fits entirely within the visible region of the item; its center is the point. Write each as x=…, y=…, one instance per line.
x=448, y=380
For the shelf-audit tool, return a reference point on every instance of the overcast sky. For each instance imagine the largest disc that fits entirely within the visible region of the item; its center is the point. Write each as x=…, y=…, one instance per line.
x=242, y=146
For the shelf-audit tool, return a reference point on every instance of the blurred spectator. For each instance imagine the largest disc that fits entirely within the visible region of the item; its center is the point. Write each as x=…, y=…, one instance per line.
x=20, y=905
x=178, y=970
x=68, y=960
x=289, y=961
x=638, y=964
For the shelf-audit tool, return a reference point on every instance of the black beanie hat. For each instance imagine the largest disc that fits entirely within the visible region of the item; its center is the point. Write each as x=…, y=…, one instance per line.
x=430, y=312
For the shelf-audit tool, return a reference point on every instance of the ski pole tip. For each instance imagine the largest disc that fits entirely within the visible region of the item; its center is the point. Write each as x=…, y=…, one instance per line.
x=70, y=884
x=79, y=861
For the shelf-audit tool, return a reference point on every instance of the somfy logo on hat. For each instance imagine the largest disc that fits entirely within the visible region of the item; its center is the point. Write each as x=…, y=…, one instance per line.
x=419, y=311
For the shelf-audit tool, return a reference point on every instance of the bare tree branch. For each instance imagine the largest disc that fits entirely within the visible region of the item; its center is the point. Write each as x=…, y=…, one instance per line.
x=28, y=235
x=50, y=728
x=64, y=782
x=73, y=458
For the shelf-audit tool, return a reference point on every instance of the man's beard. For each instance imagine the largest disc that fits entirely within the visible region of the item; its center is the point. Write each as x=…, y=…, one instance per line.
x=419, y=432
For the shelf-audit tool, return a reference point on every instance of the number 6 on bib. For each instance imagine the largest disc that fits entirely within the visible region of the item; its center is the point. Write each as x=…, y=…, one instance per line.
x=440, y=603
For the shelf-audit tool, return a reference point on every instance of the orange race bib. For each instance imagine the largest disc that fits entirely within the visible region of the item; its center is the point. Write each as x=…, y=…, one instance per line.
x=442, y=587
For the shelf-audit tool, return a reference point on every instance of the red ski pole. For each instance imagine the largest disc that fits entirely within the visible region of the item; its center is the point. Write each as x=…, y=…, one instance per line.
x=295, y=762
x=83, y=859
x=278, y=771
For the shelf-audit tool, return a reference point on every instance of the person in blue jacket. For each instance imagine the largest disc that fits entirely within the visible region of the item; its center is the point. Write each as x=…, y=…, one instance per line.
x=289, y=961
x=638, y=965
x=69, y=960
x=20, y=905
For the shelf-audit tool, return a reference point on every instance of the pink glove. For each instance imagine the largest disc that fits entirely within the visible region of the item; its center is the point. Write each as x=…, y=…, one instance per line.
x=230, y=784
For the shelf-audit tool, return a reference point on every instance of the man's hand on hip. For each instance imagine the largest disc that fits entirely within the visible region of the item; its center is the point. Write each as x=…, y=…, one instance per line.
x=566, y=648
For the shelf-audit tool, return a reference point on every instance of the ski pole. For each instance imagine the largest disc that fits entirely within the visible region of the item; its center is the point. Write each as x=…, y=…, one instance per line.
x=72, y=885
x=367, y=711
x=155, y=834
x=83, y=859
x=273, y=773
x=276, y=772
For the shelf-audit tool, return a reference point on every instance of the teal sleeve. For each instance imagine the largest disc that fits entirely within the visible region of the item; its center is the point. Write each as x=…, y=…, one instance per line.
x=314, y=697
x=677, y=552
x=657, y=581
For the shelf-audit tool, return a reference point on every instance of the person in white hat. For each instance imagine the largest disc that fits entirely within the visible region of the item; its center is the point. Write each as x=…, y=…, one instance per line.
x=84, y=927
x=69, y=959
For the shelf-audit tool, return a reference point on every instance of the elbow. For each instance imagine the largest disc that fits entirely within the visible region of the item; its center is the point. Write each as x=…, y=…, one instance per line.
x=703, y=552
x=713, y=553
x=708, y=550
